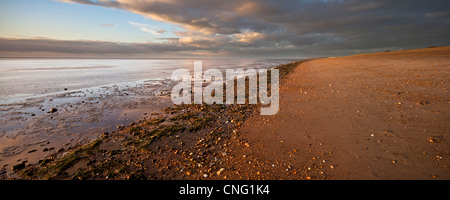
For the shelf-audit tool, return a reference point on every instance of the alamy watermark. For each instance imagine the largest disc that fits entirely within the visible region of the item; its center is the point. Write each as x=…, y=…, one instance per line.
x=213, y=92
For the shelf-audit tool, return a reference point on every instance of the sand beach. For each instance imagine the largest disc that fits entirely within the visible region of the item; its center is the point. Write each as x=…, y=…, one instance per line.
x=370, y=116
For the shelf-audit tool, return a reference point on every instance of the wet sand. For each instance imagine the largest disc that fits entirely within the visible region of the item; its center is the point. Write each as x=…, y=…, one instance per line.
x=30, y=131
x=373, y=116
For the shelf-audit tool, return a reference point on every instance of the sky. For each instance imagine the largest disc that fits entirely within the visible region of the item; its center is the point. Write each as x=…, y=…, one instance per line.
x=211, y=28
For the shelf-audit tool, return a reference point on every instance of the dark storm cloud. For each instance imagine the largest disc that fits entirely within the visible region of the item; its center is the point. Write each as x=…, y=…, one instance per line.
x=286, y=27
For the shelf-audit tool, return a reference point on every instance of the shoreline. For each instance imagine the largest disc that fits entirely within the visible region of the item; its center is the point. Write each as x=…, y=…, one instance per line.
x=163, y=117
x=67, y=115
x=355, y=117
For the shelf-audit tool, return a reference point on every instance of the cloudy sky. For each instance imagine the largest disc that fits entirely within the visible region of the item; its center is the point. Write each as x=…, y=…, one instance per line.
x=219, y=28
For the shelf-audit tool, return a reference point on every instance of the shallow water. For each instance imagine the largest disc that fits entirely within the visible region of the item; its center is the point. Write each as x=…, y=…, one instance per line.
x=27, y=78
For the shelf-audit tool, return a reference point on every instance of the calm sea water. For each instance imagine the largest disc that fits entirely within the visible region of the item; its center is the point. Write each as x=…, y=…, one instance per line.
x=21, y=79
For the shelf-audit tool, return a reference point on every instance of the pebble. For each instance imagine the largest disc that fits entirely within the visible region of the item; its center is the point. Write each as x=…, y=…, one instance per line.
x=105, y=134
x=220, y=171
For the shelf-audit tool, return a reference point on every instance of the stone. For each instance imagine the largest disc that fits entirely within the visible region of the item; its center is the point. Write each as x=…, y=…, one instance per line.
x=18, y=167
x=105, y=134
x=221, y=170
x=53, y=110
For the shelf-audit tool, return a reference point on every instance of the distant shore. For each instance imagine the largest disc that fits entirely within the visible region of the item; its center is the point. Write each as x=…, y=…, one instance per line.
x=371, y=116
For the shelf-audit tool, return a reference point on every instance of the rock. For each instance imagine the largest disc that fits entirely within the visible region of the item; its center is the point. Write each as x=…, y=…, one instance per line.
x=220, y=171
x=435, y=140
x=205, y=175
x=18, y=167
x=53, y=110
x=65, y=88
x=105, y=135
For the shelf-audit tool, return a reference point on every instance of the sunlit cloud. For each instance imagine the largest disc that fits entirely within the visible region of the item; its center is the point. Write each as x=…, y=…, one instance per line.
x=148, y=28
x=289, y=27
x=248, y=36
